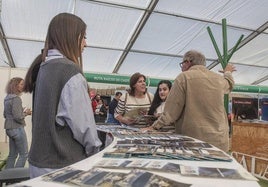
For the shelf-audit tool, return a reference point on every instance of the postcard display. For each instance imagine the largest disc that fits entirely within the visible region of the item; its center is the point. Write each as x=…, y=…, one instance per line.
x=151, y=159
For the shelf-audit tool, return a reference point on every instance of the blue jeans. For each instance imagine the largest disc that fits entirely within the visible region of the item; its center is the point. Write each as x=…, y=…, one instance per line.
x=17, y=145
x=112, y=120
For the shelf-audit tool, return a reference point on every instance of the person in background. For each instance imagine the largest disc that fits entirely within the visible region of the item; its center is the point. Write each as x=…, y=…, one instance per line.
x=63, y=125
x=196, y=102
x=158, y=104
x=14, y=115
x=136, y=97
x=100, y=112
x=95, y=101
x=160, y=96
x=112, y=106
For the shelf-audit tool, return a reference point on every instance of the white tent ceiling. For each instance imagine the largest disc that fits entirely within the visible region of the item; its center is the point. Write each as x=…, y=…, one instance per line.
x=147, y=36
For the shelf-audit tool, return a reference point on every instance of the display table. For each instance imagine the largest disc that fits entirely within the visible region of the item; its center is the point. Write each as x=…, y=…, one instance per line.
x=195, y=181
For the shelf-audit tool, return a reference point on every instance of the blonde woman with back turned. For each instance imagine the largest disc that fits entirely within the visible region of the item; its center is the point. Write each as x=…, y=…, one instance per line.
x=14, y=115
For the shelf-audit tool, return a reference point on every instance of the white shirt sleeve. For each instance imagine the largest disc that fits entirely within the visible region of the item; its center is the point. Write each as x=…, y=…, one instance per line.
x=75, y=110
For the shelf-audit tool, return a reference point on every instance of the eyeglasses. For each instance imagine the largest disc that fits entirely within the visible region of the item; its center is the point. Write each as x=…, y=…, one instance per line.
x=181, y=64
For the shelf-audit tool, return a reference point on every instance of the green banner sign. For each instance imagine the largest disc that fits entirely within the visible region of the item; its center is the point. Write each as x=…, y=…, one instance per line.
x=117, y=79
x=107, y=78
x=124, y=80
x=250, y=89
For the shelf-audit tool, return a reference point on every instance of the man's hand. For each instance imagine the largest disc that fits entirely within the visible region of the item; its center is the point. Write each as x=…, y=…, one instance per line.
x=229, y=67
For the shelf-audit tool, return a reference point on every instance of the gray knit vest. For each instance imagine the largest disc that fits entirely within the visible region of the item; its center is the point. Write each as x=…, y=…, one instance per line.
x=53, y=145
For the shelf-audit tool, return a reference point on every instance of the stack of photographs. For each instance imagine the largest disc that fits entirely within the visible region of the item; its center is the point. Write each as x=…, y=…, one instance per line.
x=139, y=178
x=113, y=163
x=215, y=155
x=140, y=120
x=178, y=151
x=143, y=164
x=131, y=150
x=117, y=129
x=132, y=143
x=100, y=177
x=169, y=167
x=224, y=173
x=143, y=121
x=62, y=175
x=158, y=139
x=199, y=154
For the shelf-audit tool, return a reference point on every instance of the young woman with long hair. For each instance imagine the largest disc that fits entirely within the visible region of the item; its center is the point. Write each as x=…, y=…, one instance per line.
x=64, y=129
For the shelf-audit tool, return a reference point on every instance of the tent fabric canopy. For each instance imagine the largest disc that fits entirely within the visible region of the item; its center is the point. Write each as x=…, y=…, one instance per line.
x=147, y=36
